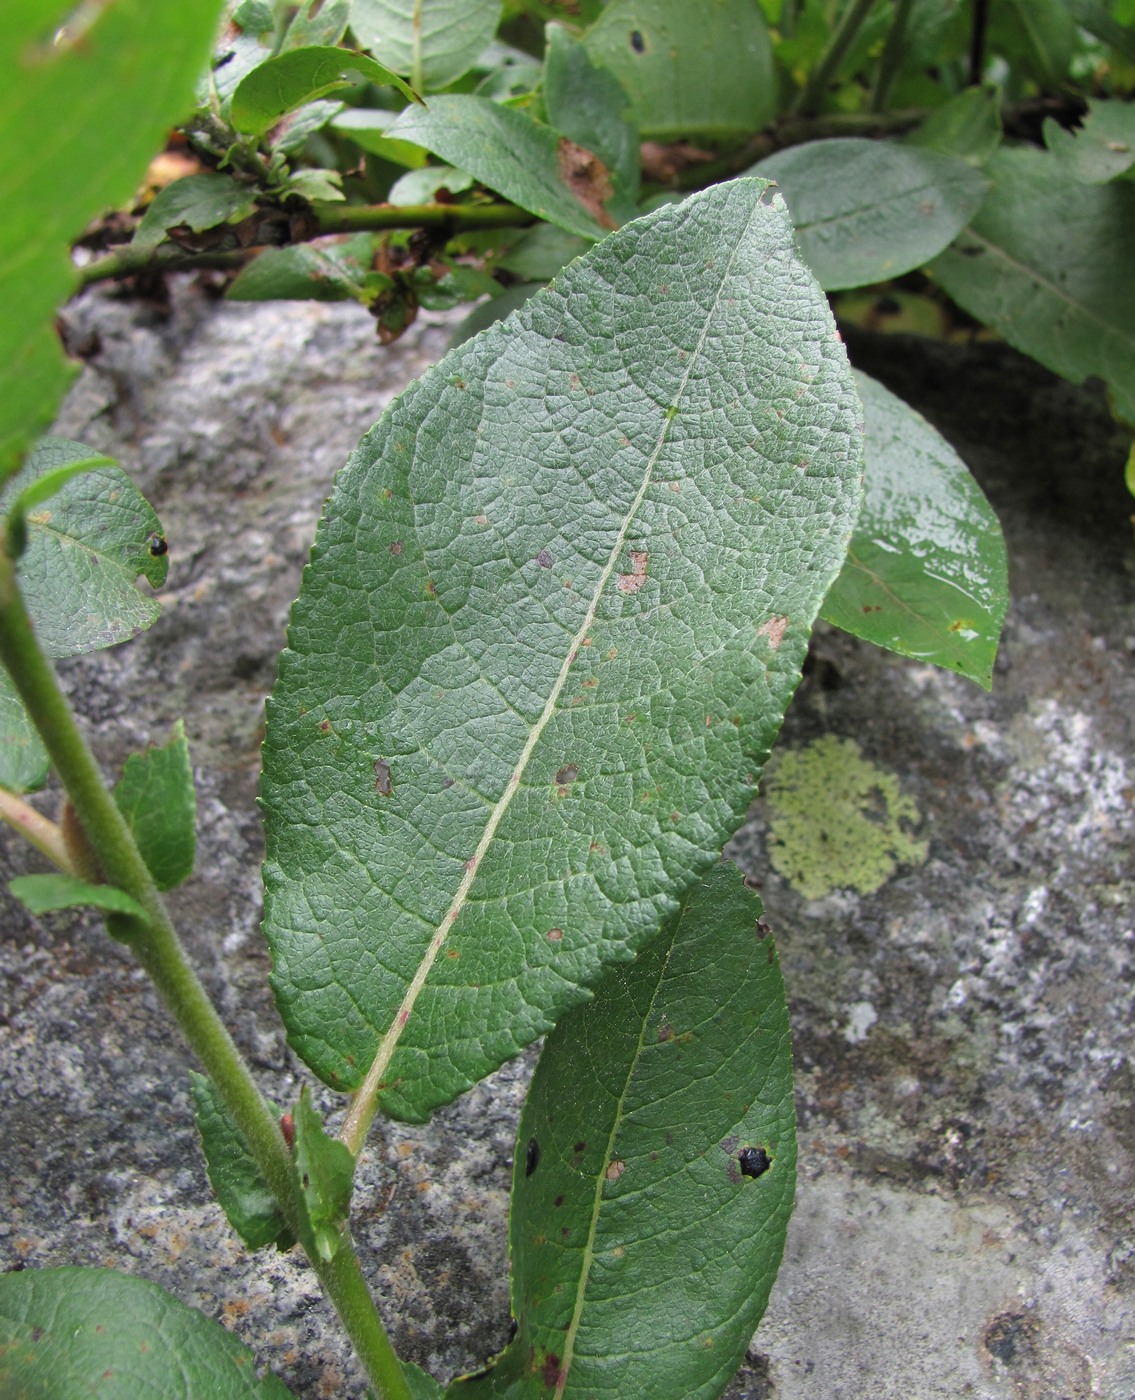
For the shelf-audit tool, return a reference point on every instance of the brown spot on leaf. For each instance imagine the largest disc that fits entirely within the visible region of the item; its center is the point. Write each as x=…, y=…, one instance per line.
x=544, y=559
x=382, y=781
x=665, y=1032
x=551, y=1370
x=555, y=935
x=568, y=773
x=396, y=548
x=615, y=1169
x=431, y=588
x=325, y=726
x=632, y=582
x=763, y=929
x=587, y=178
x=774, y=630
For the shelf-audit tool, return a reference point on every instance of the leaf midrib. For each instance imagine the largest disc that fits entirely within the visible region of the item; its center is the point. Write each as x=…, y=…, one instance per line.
x=365, y=1098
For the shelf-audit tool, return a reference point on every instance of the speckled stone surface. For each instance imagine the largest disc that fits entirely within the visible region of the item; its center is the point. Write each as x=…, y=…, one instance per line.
x=965, y=1222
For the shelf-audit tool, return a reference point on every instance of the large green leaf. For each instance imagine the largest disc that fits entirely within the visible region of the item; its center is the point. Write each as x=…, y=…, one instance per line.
x=968, y=127
x=926, y=573
x=71, y=1334
x=431, y=42
x=85, y=548
x=334, y=271
x=157, y=798
x=557, y=604
x=80, y=117
x=655, y=1167
x=1052, y=267
x=1101, y=149
x=286, y=82
x=236, y=1179
x=866, y=211
x=522, y=159
x=701, y=71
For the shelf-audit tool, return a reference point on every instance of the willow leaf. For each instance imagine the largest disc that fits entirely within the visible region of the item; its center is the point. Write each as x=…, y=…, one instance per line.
x=556, y=607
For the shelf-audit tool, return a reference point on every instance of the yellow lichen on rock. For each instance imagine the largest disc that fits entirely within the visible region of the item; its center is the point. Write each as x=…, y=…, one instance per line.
x=837, y=821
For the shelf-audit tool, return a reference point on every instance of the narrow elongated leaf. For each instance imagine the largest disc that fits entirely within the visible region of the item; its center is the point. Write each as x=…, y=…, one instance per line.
x=556, y=607
x=691, y=71
x=587, y=103
x=70, y=1334
x=156, y=796
x=81, y=116
x=968, y=127
x=241, y=1190
x=926, y=574
x=655, y=1168
x=1052, y=268
x=431, y=42
x=199, y=202
x=367, y=127
x=1097, y=19
x=325, y=1171
x=44, y=893
x=1101, y=149
x=23, y=759
x=85, y=548
x=869, y=210
x=288, y=81
x=522, y=159
x=1039, y=35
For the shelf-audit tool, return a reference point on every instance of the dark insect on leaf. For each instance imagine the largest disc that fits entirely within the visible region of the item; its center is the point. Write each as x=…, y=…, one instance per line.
x=754, y=1161
x=531, y=1157
x=158, y=545
x=638, y=43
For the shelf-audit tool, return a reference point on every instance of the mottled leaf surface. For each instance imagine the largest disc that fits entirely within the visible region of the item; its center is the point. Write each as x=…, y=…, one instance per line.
x=655, y=1168
x=85, y=548
x=869, y=210
x=44, y=893
x=522, y=159
x=431, y=42
x=240, y=1188
x=1051, y=265
x=157, y=798
x=926, y=573
x=690, y=70
x=70, y=1334
x=556, y=606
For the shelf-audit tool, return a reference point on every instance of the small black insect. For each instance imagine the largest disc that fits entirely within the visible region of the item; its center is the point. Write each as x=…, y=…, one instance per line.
x=158, y=545
x=754, y=1161
x=638, y=43
x=531, y=1157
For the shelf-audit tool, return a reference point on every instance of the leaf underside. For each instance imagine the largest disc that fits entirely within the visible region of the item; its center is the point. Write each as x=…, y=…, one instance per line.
x=556, y=607
x=655, y=1168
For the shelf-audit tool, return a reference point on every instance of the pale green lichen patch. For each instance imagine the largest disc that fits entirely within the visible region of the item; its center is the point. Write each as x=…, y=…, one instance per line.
x=837, y=821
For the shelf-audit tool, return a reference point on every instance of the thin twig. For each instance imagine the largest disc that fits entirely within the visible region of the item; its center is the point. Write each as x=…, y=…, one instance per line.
x=894, y=51
x=850, y=23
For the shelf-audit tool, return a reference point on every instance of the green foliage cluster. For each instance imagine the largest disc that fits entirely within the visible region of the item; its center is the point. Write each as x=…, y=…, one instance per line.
x=562, y=592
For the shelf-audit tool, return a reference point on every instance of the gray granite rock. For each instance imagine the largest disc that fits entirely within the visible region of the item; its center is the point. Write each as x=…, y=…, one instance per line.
x=964, y=1221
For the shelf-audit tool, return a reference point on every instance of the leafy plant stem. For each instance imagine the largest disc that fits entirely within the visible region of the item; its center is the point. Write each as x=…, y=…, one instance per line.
x=44, y=834
x=155, y=943
x=893, y=53
x=850, y=23
x=354, y=218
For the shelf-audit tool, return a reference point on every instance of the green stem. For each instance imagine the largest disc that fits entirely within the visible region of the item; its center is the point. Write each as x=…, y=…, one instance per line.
x=157, y=947
x=129, y=261
x=894, y=51
x=850, y=23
